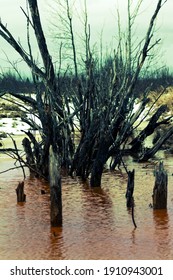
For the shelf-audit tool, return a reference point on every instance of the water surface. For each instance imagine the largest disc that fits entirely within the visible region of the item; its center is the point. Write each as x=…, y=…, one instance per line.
x=96, y=222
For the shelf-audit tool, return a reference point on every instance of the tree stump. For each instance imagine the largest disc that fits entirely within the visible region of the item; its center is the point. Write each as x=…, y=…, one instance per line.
x=55, y=189
x=21, y=196
x=160, y=188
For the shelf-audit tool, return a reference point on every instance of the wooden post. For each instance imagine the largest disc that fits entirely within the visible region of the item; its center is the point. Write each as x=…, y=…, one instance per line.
x=160, y=188
x=55, y=189
x=21, y=196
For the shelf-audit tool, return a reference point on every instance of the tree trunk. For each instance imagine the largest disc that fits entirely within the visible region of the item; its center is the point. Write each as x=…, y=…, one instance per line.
x=21, y=196
x=98, y=166
x=96, y=174
x=129, y=194
x=29, y=154
x=160, y=188
x=55, y=189
x=130, y=188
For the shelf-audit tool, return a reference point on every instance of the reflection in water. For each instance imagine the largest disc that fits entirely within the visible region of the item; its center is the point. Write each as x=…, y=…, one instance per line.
x=162, y=233
x=133, y=238
x=56, y=244
x=96, y=223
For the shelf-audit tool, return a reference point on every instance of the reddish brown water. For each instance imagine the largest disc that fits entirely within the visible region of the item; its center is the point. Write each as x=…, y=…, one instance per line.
x=96, y=223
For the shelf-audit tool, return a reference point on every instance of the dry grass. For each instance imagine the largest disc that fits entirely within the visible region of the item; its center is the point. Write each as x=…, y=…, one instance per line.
x=165, y=98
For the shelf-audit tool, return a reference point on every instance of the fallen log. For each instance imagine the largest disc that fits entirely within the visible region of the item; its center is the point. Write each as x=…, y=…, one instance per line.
x=150, y=152
x=137, y=142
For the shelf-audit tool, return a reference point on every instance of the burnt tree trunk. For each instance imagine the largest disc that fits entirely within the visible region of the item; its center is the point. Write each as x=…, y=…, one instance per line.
x=55, y=189
x=130, y=188
x=21, y=196
x=129, y=194
x=29, y=154
x=36, y=152
x=149, y=153
x=148, y=130
x=98, y=165
x=96, y=174
x=160, y=188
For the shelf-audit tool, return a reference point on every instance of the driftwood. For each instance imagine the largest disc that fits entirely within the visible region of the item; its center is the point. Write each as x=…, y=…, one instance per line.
x=55, y=189
x=21, y=196
x=160, y=188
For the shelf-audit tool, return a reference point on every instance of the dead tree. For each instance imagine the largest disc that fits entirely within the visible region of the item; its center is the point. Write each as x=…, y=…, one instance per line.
x=148, y=130
x=103, y=99
x=150, y=152
x=55, y=189
x=160, y=188
x=108, y=104
x=21, y=196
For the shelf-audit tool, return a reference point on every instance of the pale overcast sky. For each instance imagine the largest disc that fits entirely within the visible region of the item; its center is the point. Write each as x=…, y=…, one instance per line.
x=102, y=15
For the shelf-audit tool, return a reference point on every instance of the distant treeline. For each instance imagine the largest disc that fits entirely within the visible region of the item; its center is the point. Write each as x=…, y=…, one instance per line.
x=154, y=80
x=9, y=82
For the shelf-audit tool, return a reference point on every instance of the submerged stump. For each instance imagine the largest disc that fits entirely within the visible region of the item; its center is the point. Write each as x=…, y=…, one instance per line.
x=160, y=188
x=55, y=189
x=21, y=196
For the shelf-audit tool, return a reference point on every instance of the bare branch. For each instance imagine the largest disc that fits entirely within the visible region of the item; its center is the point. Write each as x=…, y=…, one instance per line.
x=4, y=33
x=12, y=168
x=18, y=156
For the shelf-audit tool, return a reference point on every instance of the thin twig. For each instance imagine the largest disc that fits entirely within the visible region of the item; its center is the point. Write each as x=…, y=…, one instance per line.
x=18, y=156
x=9, y=169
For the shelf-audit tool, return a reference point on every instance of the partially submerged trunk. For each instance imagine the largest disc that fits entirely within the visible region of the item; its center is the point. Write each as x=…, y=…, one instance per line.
x=21, y=196
x=96, y=174
x=130, y=188
x=160, y=188
x=98, y=165
x=129, y=194
x=55, y=189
